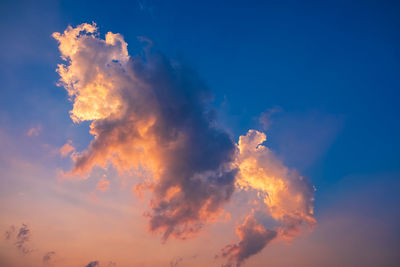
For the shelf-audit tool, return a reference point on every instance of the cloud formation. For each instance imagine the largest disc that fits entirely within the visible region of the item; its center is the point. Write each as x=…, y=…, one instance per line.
x=67, y=149
x=150, y=113
x=288, y=197
x=21, y=237
x=253, y=238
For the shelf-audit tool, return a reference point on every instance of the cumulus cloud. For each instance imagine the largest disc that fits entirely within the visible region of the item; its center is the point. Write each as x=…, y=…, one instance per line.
x=288, y=197
x=150, y=114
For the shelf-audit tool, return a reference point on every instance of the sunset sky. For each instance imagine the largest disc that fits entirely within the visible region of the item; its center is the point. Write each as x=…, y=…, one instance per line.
x=199, y=133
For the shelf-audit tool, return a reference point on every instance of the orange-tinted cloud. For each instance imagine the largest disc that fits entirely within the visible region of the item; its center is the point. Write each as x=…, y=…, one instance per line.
x=67, y=148
x=148, y=113
x=288, y=197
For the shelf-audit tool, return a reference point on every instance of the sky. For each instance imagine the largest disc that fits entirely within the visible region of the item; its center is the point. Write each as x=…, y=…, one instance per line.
x=183, y=133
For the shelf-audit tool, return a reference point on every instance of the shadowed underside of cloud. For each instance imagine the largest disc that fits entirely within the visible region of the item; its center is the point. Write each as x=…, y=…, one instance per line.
x=151, y=113
x=253, y=238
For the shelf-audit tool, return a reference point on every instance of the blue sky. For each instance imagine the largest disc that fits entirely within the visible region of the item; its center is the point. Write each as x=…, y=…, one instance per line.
x=326, y=73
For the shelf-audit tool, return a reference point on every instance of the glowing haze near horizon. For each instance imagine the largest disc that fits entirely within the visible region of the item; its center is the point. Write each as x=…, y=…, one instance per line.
x=135, y=157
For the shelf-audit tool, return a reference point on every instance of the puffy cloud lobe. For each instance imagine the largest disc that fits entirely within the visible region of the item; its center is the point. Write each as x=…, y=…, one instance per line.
x=253, y=238
x=148, y=113
x=287, y=196
x=87, y=78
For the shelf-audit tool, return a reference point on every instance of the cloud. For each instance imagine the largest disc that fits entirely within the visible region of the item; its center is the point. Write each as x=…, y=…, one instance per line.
x=67, y=149
x=148, y=113
x=151, y=114
x=34, y=131
x=93, y=264
x=253, y=238
x=288, y=197
x=48, y=256
x=21, y=238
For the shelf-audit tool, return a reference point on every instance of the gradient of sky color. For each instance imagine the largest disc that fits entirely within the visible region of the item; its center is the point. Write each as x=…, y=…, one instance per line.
x=321, y=78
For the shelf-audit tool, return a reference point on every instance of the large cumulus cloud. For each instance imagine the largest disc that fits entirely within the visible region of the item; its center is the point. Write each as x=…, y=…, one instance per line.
x=150, y=113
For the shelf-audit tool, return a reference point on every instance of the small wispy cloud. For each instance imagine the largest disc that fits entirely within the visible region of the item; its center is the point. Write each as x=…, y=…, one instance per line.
x=35, y=130
x=20, y=237
x=67, y=149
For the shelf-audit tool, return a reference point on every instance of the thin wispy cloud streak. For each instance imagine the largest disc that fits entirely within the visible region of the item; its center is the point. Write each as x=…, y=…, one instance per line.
x=151, y=113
